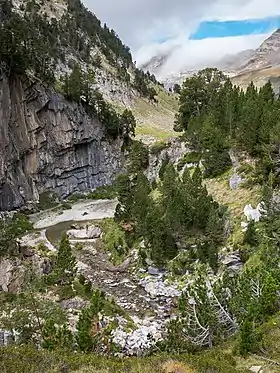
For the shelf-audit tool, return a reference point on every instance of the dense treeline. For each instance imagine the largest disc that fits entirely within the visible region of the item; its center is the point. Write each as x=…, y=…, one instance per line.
x=217, y=115
x=31, y=42
x=79, y=18
x=28, y=41
x=183, y=214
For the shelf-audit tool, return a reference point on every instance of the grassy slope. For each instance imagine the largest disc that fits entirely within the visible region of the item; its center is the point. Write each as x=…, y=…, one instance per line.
x=156, y=119
x=259, y=77
x=236, y=200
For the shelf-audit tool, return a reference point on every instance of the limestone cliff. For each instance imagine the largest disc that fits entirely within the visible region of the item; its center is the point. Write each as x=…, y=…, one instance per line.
x=49, y=144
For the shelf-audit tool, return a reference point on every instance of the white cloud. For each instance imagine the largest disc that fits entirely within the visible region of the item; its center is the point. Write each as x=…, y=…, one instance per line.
x=141, y=23
x=194, y=54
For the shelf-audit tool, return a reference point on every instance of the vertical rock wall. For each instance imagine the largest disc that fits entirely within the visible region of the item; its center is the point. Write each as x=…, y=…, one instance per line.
x=49, y=144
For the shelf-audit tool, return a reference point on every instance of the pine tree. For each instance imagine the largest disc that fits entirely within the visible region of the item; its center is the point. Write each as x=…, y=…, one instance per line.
x=65, y=338
x=247, y=337
x=49, y=335
x=128, y=123
x=141, y=202
x=85, y=326
x=251, y=236
x=65, y=265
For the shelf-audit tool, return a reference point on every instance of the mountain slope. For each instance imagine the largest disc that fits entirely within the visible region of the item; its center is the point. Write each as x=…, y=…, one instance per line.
x=267, y=54
x=61, y=71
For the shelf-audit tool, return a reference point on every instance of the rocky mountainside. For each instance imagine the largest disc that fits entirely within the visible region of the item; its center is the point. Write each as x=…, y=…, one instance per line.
x=65, y=79
x=268, y=54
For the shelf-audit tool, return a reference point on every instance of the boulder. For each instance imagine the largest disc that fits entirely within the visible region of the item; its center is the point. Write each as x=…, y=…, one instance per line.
x=6, y=338
x=235, y=181
x=256, y=369
x=253, y=214
x=90, y=232
x=232, y=261
x=153, y=271
x=76, y=303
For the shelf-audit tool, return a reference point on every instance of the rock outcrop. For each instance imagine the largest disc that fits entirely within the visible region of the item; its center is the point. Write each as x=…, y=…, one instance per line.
x=175, y=150
x=49, y=144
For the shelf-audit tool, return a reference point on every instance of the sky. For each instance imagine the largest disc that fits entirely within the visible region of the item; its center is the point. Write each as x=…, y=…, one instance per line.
x=193, y=32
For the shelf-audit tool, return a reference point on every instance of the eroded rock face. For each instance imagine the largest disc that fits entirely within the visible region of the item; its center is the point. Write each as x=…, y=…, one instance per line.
x=174, y=152
x=15, y=272
x=49, y=144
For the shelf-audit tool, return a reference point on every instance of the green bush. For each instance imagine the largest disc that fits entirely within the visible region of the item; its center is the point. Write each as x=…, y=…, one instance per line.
x=104, y=192
x=138, y=157
x=158, y=147
x=10, y=230
x=216, y=163
x=193, y=157
x=66, y=205
x=47, y=200
x=114, y=239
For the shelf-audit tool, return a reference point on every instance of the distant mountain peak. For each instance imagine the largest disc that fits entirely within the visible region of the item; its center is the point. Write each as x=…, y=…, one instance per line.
x=268, y=54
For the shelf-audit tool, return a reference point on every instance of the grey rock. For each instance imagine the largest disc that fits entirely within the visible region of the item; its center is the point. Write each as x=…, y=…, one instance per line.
x=235, y=181
x=153, y=271
x=50, y=144
x=232, y=261
x=76, y=303
x=6, y=338
x=14, y=273
x=175, y=150
x=89, y=232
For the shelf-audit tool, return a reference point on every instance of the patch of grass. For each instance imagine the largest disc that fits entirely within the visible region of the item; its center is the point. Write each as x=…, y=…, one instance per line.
x=114, y=239
x=235, y=199
x=156, y=119
x=26, y=359
x=156, y=132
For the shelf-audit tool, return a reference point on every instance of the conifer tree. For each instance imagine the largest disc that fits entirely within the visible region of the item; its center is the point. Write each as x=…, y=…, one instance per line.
x=49, y=335
x=87, y=319
x=65, y=265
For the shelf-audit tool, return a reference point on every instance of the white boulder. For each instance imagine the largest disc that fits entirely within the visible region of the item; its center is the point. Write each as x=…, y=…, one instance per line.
x=254, y=214
x=85, y=233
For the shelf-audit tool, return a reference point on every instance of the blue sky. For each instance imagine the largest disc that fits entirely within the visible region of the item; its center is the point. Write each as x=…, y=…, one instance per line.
x=216, y=29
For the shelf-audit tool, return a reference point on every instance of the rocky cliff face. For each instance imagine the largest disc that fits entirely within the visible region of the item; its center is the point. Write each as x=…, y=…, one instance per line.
x=49, y=144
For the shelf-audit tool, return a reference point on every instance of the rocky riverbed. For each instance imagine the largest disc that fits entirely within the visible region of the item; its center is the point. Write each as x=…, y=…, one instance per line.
x=145, y=295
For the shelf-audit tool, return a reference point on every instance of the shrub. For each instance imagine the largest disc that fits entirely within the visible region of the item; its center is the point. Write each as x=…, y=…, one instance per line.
x=103, y=192
x=139, y=156
x=114, y=239
x=66, y=205
x=193, y=157
x=158, y=147
x=216, y=163
x=47, y=200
